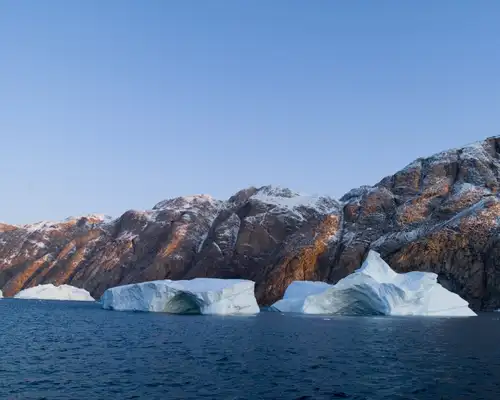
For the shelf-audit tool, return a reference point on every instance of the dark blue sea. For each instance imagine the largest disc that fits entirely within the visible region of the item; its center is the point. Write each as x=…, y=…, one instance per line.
x=73, y=350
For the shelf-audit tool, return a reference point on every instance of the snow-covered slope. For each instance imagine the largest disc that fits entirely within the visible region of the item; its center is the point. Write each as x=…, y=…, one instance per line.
x=196, y=296
x=375, y=289
x=51, y=292
x=282, y=200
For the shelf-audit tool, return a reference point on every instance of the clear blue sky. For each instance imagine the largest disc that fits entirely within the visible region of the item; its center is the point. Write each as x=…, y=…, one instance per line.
x=116, y=104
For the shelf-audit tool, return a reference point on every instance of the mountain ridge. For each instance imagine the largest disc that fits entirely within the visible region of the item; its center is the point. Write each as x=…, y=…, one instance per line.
x=439, y=213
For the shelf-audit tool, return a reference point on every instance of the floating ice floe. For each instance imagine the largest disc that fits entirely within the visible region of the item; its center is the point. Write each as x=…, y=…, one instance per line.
x=51, y=292
x=375, y=289
x=196, y=296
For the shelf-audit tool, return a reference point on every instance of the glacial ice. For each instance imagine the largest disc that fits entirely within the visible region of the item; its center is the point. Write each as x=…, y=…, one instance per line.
x=51, y=292
x=1, y=294
x=375, y=289
x=196, y=296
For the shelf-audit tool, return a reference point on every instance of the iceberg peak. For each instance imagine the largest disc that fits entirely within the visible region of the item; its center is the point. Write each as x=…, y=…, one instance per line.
x=375, y=289
x=377, y=268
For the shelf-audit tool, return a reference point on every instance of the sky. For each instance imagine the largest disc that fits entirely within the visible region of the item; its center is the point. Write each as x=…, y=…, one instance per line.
x=113, y=105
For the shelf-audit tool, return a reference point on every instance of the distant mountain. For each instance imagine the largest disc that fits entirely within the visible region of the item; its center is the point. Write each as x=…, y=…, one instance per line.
x=439, y=214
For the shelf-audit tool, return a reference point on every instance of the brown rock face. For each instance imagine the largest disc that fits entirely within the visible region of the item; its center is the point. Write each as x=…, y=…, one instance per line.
x=438, y=214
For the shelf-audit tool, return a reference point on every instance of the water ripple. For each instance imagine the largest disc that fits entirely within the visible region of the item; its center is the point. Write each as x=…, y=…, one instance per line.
x=57, y=350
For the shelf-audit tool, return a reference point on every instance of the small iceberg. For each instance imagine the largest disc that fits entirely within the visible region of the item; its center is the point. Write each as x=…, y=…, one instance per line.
x=195, y=296
x=52, y=292
x=375, y=289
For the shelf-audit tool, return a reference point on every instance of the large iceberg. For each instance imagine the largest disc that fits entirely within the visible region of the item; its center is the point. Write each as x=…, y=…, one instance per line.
x=196, y=296
x=51, y=292
x=375, y=289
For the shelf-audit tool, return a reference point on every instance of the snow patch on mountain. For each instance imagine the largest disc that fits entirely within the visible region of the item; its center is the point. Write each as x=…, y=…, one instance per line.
x=195, y=214
x=96, y=218
x=415, y=164
x=463, y=188
x=475, y=151
x=47, y=225
x=188, y=203
x=38, y=226
x=126, y=236
x=284, y=200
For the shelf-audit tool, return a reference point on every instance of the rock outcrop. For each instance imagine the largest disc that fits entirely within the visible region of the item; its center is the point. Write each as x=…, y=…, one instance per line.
x=439, y=214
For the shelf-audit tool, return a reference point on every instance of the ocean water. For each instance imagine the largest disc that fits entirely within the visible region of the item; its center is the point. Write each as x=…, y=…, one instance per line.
x=71, y=350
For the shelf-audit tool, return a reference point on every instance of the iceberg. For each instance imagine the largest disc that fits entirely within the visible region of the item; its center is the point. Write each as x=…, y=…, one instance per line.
x=1, y=294
x=195, y=296
x=375, y=289
x=52, y=292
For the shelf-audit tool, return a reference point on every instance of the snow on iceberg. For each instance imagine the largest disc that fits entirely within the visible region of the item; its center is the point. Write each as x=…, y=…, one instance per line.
x=51, y=292
x=375, y=289
x=196, y=296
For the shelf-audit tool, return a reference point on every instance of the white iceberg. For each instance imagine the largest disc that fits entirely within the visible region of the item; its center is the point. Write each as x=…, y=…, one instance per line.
x=1, y=294
x=51, y=292
x=375, y=289
x=196, y=296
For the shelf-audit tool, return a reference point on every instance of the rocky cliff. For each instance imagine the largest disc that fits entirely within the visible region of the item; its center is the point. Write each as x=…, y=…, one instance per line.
x=439, y=214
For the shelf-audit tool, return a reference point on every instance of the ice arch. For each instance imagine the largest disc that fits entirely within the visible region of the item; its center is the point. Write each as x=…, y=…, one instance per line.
x=195, y=296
